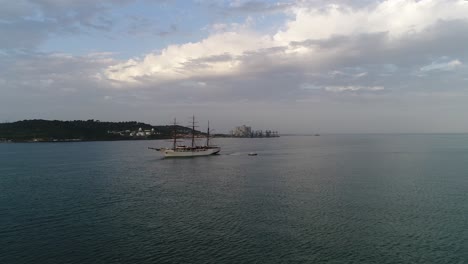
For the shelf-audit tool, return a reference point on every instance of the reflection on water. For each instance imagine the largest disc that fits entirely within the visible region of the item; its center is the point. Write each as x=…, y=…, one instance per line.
x=333, y=198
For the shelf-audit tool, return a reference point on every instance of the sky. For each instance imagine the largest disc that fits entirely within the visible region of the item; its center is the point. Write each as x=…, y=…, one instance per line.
x=296, y=66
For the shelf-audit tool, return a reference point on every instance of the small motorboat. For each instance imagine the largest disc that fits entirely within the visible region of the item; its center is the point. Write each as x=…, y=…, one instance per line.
x=252, y=154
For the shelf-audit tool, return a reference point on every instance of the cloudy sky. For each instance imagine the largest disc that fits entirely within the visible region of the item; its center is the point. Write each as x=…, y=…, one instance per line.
x=298, y=66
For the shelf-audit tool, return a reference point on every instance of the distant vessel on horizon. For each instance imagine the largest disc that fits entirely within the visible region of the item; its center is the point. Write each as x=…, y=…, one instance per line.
x=189, y=151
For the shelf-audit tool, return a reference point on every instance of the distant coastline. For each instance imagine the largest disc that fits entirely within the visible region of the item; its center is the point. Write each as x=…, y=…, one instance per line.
x=38, y=130
x=56, y=131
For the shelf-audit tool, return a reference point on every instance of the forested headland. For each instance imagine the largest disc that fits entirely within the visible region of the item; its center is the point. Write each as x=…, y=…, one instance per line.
x=39, y=130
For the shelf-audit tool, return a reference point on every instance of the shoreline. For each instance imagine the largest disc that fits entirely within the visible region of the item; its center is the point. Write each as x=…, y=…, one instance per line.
x=102, y=140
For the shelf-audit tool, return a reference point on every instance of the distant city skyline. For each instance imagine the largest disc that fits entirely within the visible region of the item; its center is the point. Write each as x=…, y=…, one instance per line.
x=295, y=66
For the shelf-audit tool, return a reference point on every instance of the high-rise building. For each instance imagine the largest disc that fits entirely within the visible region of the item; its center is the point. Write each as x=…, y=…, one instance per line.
x=242, y=131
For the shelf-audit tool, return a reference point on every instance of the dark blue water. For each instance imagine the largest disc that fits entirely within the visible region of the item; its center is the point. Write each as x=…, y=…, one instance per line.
x=327, y=199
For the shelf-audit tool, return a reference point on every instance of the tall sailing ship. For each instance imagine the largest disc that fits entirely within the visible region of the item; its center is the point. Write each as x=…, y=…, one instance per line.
x=189, y=151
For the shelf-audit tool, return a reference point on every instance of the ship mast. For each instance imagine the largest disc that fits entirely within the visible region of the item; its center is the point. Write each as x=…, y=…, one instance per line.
x=208, y=135
x=175, y=134
x=193, y=131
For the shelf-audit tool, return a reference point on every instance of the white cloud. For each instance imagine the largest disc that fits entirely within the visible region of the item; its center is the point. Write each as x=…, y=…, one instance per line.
x=442, y=66
x=173, y=62
x=339, y=89
x=397, y=19
x=354, y=75
x=309, y=86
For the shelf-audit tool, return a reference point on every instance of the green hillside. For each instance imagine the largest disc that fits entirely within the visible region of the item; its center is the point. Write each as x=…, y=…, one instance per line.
x=55, y=130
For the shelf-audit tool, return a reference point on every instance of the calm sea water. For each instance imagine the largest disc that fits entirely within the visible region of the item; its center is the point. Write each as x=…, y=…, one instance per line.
x=327, y=199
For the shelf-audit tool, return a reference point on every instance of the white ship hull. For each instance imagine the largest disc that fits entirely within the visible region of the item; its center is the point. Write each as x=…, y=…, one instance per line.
x=189, y=151
x=180, y=153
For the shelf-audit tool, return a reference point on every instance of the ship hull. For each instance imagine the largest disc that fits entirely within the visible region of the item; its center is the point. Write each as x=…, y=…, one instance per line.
x=170, y=153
